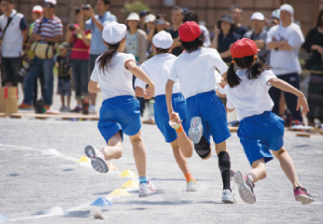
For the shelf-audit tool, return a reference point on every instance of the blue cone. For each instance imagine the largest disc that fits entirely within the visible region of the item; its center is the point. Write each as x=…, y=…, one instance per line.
x=3, y=218
x=101, y=202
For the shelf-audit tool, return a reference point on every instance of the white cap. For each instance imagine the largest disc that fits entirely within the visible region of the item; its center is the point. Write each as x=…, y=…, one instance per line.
x=275, y=14
x=150, y=18
x=38, y=8
x=288, y=8
x=51, y=2
x=257, y=16
x=163, y=40
x=133, y=16
x=114, y=32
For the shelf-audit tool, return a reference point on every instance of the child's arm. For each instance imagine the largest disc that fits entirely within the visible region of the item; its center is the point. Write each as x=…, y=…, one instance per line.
x=93, y=87
x=169, y=92
x=139, y=91
x=284, y=86
x=140, y=74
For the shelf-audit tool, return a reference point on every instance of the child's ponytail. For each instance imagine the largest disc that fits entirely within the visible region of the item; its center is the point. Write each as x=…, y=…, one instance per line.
x=232, y=78
x=106, y=57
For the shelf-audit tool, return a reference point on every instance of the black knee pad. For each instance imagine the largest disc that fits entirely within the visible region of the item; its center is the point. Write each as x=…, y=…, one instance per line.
x=203, y=148
x=224, y=161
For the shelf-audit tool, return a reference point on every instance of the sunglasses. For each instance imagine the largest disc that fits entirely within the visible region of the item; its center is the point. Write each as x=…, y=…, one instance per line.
x=48, y=5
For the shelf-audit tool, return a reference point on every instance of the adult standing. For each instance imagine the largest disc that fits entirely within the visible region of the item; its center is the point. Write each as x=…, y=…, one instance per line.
x=314, y=46
x=236, y=12
x=96, y=24
x=258, y=34
x=284, y=42
x=13, y=34
x=47, y=30
x=177, y=20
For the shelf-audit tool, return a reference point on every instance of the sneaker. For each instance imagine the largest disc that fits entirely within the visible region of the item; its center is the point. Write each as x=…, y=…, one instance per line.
x=227, y=196
x=245, y=187
x=67, y=109
x=302, y=196
x=24, y=106
x=196, y=130
x=191, y=186
x=97, y=159
x=92, y=109
x=146, y=189
x=47, y=107
x=77, y=109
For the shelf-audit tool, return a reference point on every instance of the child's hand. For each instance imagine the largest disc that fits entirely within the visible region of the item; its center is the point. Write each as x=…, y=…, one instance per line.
x=302, y=102
x=149, y=92
x=174, y=117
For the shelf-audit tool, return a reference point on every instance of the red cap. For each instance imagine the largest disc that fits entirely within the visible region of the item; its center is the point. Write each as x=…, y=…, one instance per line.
x=244, y=47
x=189, y=31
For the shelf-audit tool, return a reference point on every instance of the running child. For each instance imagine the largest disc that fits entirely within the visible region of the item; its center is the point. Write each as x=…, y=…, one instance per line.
x=196, y=70
x=119, y=113
x=158, y=69
x=260, y=130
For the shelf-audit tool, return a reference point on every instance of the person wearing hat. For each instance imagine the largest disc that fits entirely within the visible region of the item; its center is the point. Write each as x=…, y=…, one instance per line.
x=258, y=34
x=163, y=61
x=260, y=131
x=142, y=15
x=155, y=24
x=224, y=37
x=47, y=30
x=136, y=39
x=284, y=42
x=119, y=113
x=198, y=70
x=64, y=87
x=275, y=17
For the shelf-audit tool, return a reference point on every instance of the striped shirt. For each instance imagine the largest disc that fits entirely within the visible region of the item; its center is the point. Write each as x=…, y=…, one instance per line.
x=49, y=27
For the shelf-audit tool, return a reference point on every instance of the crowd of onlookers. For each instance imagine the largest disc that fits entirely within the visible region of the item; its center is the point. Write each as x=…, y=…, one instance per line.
x=29, y=53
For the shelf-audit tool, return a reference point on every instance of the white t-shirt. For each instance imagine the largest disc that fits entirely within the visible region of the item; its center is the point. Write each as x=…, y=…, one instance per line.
x=196, y=71
x=158, y=69
x=286, y=61
x=207, y=38
x=250, y=97
x=116, y=79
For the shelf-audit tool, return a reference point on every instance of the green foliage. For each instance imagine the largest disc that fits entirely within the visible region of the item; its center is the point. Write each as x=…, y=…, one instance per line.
x=134, y=7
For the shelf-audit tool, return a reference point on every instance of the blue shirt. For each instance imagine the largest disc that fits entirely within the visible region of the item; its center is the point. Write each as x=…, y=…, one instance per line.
x=97, y=45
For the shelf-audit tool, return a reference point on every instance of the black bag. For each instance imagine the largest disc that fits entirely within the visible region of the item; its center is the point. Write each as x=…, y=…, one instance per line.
x=40, y=107
x=309, y=62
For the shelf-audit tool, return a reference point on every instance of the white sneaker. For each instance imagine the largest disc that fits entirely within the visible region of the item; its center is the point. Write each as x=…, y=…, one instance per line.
x=146, y=189
x=196, y=130
x=227, y=196
x=191, y=186
x=92, y=109
x=245, y=187
x=97, y=159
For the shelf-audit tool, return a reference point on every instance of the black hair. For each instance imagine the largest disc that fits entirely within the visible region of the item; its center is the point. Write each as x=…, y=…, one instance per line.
x=175, y=8
x=191, y=16
x=193, y=45
x=236, y=6
x=253, y=72
x=106, y=57
x=77, y=11
x=106, y=2
x=10, y=1
x=160, y=15
x=161, y=50
x=319, y=19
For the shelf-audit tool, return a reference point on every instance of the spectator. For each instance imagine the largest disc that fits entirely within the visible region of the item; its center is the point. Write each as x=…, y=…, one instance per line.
x=314, y=46
x=136, y=39
x=14, y=29
x=80, y=41
x=47, y=29
x=275, y=17
x=177, y=21
x=258, y=34
x=236, y=12
x=224, y=37
x=95, y=24
x=142, y=15
x=155, y=25
x=192, y=16
x=64, y=87
x=284, y=42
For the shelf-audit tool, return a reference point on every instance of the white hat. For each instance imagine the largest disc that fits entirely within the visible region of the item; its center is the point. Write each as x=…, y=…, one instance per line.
x=51, y=2
x=257, y=16
x=133, y=16
x=275, y=14
x=114, y=32
x=150, y=18
x=38, y=8
x=163, y=40
x=288, y=8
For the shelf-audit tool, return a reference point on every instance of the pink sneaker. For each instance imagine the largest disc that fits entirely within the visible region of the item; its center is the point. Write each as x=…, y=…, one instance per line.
x=302, y=196
x=245, y=187
x=146, y=189
x=97, y=159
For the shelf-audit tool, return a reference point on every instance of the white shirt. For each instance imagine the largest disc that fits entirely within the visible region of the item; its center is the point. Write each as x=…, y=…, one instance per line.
x=158, y=69
x=286, y=61
x=115, y=79
x=196, y=71
x=207, y=38
x=250, y=97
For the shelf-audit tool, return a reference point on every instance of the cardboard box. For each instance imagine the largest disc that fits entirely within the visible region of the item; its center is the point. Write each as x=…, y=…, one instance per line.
x=8, y=100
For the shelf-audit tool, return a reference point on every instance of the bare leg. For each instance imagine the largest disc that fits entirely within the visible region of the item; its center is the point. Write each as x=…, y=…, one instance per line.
x=93, y=98
x=221, y=147
x=185, y=144
x=287, y=165
x=114, y=148
x=180, y=159
x=139, y=153
x=63, y=100
x=258, y=171
x=68, y=101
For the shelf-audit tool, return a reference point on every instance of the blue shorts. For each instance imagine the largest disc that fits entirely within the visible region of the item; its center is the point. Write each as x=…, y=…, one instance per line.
x=162, y=118
x=209, y=107
x=260, y=133
x=119, y=113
